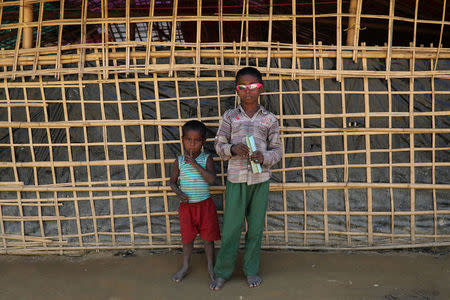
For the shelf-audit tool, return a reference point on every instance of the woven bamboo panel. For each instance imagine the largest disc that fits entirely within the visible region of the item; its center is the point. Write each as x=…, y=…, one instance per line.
x=89, y=129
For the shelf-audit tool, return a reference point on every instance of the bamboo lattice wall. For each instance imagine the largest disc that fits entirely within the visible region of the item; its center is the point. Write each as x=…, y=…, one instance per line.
x=88, y=129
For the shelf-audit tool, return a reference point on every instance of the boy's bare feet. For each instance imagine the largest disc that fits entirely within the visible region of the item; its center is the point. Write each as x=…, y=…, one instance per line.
x=217, y=284
x=254, y=281
x=180, y=274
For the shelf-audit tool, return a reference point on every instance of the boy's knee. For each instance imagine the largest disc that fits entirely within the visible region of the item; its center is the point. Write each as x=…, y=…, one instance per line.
x=254, y=234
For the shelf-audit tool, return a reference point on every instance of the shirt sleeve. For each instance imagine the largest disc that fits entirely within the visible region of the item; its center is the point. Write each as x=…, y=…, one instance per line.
x=223, y=137
x=274, y=149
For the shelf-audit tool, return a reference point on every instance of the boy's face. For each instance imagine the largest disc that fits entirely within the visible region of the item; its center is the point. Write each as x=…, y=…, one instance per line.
x=193, y=142
x=249, y=97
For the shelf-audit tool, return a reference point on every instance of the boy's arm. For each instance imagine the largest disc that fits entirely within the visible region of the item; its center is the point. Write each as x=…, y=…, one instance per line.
x=174, y=182
x=209, y=174
x=274, y=149
x=222, y=142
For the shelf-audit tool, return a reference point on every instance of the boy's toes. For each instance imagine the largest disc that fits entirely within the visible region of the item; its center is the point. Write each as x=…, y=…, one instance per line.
x=217, y=284
x=178, y=277
x=254, y=281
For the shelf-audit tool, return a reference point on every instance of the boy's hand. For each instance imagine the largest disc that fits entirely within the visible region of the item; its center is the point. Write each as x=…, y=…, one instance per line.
x=184, y=198
x=257, y=157
x=189, y=159
x=240, y=150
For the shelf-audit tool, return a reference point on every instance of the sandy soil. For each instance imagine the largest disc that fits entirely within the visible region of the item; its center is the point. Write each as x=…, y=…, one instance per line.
x=287, y=275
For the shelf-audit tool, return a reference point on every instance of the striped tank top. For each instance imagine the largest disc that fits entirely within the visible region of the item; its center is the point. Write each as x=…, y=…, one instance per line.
x=191, y=181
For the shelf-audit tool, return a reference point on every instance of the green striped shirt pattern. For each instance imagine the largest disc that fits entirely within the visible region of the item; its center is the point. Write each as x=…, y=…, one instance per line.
x=191, y=181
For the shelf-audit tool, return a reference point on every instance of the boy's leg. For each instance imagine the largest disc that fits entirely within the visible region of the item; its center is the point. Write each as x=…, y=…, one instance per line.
x=209, y=251
x=256, y=212
x=187, y=252
x=235, y=203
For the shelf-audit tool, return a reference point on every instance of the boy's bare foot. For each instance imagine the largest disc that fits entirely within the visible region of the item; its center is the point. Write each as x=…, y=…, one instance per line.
x=180, y=274
x=254, y=281
x=217, y=284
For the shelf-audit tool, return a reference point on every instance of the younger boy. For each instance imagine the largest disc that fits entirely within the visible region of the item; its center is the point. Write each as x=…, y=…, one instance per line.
x=197, y=212
x=246, y=192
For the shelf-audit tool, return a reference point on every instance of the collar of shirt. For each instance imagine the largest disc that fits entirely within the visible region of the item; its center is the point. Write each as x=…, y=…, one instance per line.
x=261, y=110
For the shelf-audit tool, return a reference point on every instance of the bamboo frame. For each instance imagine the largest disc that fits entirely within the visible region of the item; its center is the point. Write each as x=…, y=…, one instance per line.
x=139, y=210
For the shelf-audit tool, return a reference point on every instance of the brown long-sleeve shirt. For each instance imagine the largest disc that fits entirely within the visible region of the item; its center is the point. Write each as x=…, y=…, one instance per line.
x=234, y=126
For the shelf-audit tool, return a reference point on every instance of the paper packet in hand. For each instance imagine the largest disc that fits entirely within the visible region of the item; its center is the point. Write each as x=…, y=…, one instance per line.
x=256, y=168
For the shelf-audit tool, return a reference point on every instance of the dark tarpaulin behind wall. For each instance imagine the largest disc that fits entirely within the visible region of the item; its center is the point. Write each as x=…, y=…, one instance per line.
x=355, y=103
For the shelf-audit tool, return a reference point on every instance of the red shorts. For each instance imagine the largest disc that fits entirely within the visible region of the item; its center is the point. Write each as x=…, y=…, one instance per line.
x=200, y=217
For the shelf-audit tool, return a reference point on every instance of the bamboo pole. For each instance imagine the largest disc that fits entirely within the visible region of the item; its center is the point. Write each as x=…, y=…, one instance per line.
x=27, y=41
x=351, y=29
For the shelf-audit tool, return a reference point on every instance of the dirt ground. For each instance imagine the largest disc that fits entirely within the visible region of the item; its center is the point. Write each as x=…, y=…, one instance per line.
x=287, y=275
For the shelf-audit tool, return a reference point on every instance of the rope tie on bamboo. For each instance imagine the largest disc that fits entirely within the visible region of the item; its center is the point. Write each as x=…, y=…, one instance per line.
x=357, y=27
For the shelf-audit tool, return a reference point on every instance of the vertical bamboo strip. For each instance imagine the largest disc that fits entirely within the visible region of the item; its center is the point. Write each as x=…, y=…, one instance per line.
x=1, y=14
x=323, y=154
x=368, y=154
x=82, y=51
x=413, y=45
x=314, y=37
x=294, y=38
x=412, y=167
x=173, y=36
x=222, y=62
x=242, y=31
x=161, y=154
x=283, y=161
x=302, y=157
x=86, y=153
x=390, y=33
x=391, y=191
x=269, y=38
x=339, y=41
x=70, y=158
x=433, y=153
x=144, y=151
x=38, y=37
x=105, y=41
x=60, y=32
x=444, y=7
x=247, y=13
x=346, y=169
x=148, y=48
x=127, y=33
x=124, y=149
x=19, y=37
x=198, y=38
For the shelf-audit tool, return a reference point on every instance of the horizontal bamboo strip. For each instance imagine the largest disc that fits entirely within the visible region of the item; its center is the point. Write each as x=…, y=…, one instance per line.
x=273, y=187
x=57, y=250
x=48, y=58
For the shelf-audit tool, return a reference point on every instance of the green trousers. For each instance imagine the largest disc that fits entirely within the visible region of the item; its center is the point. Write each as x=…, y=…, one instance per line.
x=242, y=202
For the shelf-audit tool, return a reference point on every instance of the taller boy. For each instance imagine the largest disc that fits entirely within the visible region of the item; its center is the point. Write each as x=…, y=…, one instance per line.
x=246, y=192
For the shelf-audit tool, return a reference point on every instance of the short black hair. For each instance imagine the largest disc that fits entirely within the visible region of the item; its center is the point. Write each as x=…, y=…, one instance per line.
x=195, y=125
x=250, y=71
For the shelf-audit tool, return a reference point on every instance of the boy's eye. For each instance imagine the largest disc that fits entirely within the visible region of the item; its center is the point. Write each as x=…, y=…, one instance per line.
x=253, y=86
x=242, y=87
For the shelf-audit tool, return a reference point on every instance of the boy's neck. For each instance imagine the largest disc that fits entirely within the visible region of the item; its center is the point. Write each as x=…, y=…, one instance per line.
x=250, y=109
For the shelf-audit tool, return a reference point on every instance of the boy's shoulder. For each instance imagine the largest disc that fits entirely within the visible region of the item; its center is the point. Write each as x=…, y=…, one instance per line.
x=231, y=113
x=268, y=115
